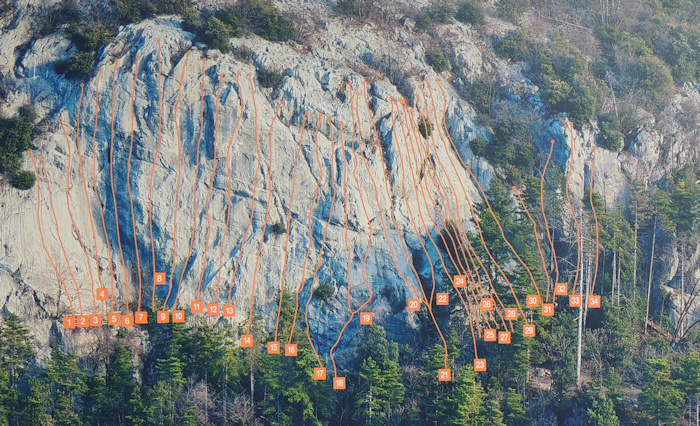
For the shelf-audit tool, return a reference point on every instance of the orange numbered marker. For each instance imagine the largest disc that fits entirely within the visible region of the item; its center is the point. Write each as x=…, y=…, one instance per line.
x=102, y=294
x=444, y=375
x=460, y=281
x=115, y=318
x=504, y=337
x=532, y=300
x=159, y=278
x=548, y=309
x=575, y=300
x=414, y=305
x=213, y=309
x=247, y=340
x=179, y=316
x=196, y=307
x=290, y=349
x=273, y=348
x=561, y=289
x=486, y=304
x=489, y=335
x=96, y=320
x=511, y=314
x=480, y=364
x=594, y=301
x=163, y=317
x=127, y=320
x=69, y=323
x=366, y=318
x=529, y=330
x=141, y=317
x=83, y=321
x=339, y=383
x=229, y=311
x=319, y=373
x=442, y=299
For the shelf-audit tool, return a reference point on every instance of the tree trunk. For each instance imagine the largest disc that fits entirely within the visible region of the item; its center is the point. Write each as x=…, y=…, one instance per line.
x=578, y=339
x=681, y=319
x=636, y=242
x=651, y=276
x=614, y=277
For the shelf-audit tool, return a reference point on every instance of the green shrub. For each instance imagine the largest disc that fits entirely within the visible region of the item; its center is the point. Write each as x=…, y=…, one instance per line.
x=324, y=291
x=217, y=35
x=361, y=9
x=478, y=146
x=77, y=66
x=15, y=138
x=512, y=149
x=470, y=13
x=278, y=228
x=90, y=39
x=512, y=9
x=24, y=180
x=261, y=17
x=484, y=91
x=514, y=45
x=441, y=11
x=610, y=136
x=655, y=78
x=128, y=11
x=425, y=127
x=269, y=78
x=438, y=60
x=565, y=85
x=232, y=17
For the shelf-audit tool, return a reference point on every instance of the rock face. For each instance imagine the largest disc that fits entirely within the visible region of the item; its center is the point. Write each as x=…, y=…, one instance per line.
x=200, y=116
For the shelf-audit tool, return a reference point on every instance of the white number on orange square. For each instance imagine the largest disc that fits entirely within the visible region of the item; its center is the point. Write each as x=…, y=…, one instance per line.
x=479, y=364
x=414, y=304
x=532, y=300
x=290, y=349
x=273, y=348
x=365, y=318
x=460, y=281
x=511, y=314
x=489, y=335
x=486, y=304
x=529, y=330
x=504, y=337
x=561, y=289
x=444, y=375
x=442, y=299
x=548, y=309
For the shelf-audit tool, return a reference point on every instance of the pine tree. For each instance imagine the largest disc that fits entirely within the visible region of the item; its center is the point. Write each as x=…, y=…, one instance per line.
x=8, y=398
x=660, y=397
x=379, y=391
x=463, y=404
x=67, y=383
x=602, y=412
x=15, y=349
x=513, y=410
x=36, y=405
x=120, y=384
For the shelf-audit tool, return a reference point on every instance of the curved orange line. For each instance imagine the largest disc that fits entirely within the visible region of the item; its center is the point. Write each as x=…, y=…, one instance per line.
x=289, y=223
x=128, y=179
x=537, y=240
x=578, y=229
x=267, y=214
x=211, y=185
x=597, y=234
x=41, y=232
x=179, y=181
x=546, y=224
x=228, y=188
x=58, y=234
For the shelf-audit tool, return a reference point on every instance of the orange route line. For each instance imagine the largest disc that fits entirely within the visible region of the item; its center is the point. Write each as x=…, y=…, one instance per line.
x=87, y=199
x=255, y=186
x=111, y=176
x=211, y=185
x=228, y=188
x=58, y=233
x=267, y=215
x=369, y=242
x=179, y=179
x=546, y=224
x=597, y=234
x=194, y=191
x=128, y=179
x=413, y=179
x=471, y=208
x=41, y=232
x=461, y=232
x=153, y=171
x=323, y=245
x=289, y=223
x=70, y=213
x=364, y=85
x=537, y=240
x=440, y=188
x=311, y=240
x=578, y=229
x=97, y=194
